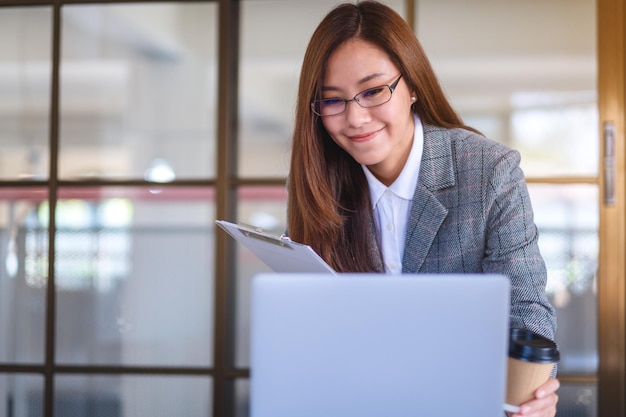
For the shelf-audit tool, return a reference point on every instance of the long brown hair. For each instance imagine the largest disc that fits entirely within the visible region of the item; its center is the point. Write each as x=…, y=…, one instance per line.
x=329, y=202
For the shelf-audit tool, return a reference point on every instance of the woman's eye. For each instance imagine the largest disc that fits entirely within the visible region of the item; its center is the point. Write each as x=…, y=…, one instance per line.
x=330, y=101
x=372, y=92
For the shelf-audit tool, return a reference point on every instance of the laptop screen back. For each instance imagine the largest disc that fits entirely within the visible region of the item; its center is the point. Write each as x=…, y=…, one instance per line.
x=378, y=345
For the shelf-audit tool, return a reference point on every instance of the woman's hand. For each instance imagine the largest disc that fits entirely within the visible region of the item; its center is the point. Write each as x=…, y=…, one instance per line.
x=544, y=403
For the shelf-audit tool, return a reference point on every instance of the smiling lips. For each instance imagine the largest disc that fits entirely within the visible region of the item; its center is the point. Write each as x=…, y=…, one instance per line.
x=364, y=137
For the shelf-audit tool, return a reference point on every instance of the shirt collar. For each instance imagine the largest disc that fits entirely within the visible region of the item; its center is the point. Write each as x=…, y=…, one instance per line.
x=404, y=186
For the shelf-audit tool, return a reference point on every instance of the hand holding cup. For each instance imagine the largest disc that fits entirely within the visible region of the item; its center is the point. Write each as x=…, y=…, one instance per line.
x=531, y=360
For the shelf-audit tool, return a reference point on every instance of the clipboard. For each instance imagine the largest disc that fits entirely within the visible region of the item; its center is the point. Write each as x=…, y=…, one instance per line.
x=279, y=253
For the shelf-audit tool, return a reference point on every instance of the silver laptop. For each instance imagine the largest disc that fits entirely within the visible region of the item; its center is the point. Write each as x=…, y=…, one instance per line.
x=378, y=345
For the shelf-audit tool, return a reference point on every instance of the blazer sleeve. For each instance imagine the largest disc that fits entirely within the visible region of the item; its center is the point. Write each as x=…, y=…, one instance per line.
x=512, y=248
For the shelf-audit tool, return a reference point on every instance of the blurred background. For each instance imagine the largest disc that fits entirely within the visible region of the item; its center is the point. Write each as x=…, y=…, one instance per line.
x=122, y=140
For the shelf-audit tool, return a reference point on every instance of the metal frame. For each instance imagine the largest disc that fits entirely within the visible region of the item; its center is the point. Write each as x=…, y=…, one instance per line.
x=228, y=79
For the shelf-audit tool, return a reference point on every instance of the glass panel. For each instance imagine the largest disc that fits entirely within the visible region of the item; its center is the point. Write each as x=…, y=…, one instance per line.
x=138, y=91
x=132, y=396
x=265, y=207
x=567, y=218
x=137, y=264
x=21, y=395
x=242, y=396
x=23, y=275
x=25, y=85
x=274, y=36
x=532, y=87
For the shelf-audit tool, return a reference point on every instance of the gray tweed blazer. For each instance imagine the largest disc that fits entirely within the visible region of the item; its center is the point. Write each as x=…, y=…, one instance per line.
x=471, y=213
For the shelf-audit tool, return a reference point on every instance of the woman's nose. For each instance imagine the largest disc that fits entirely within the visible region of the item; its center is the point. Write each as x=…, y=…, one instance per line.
x=355, y=114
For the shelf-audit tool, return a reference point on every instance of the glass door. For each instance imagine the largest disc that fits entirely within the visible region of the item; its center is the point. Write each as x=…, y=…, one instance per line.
x=525, y=74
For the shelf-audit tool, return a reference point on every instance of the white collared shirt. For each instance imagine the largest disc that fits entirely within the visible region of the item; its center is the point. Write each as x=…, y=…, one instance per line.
x=392, y=204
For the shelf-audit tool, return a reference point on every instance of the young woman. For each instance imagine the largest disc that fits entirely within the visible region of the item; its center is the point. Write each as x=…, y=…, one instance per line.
x=386, y=178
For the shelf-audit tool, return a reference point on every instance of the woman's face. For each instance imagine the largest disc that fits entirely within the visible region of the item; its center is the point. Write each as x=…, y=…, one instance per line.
x=379, y=137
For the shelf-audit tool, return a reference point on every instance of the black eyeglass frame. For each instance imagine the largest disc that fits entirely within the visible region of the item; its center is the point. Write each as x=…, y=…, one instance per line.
x=391, y=88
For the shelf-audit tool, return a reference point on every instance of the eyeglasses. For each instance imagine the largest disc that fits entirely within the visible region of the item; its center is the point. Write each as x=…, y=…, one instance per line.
x=371, y=97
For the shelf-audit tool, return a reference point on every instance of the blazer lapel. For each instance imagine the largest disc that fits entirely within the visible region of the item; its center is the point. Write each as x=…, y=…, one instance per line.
x=374, y=250
x=427, y=213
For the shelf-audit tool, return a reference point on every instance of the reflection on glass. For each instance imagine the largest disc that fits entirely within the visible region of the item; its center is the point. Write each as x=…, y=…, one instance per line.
x=23, y=275
x=138, y=88
x=274, y=37
x=21, y=395
x=264, y=207
x=567, y=218
x=137, y=263
x=25, y=71
x=131, y=396
x=580, y=400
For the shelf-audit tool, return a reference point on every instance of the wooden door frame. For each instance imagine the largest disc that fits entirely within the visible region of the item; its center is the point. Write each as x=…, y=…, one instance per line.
x=611, y=15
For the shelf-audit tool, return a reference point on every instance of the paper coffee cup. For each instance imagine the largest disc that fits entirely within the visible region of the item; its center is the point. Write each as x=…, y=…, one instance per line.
x=530, y=363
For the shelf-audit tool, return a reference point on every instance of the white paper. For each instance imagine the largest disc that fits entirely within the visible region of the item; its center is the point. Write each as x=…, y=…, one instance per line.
x=279, y=253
